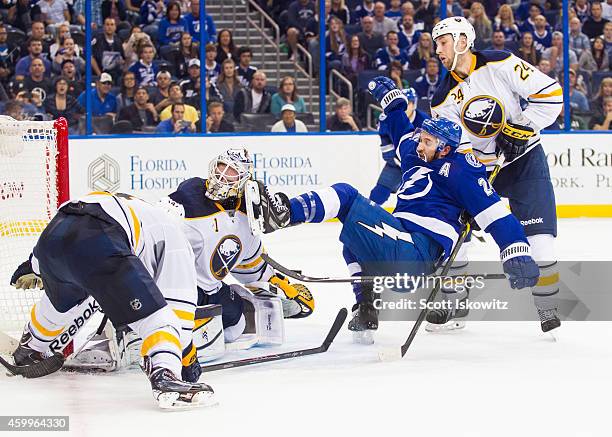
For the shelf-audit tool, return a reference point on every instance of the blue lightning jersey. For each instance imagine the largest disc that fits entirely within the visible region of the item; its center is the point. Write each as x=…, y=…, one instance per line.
x=386, y=144
x=433, y=194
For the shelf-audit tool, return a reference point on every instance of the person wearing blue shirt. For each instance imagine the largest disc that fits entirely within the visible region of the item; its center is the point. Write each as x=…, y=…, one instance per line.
x=392, y=52
x=145, y=70
x=176, y=124
x=102, y=102
x=172, y=25
x=408, y=34
x=542, y=34
x=193, y=24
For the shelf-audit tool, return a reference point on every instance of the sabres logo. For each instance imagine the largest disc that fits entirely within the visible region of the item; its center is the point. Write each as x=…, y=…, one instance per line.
x=225, y=256
x=483, y=116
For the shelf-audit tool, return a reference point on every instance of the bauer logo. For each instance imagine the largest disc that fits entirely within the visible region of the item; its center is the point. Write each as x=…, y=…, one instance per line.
x=103, y=174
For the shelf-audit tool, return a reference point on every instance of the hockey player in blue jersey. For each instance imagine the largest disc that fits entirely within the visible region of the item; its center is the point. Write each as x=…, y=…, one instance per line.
x=391, y=175
x=437, y=184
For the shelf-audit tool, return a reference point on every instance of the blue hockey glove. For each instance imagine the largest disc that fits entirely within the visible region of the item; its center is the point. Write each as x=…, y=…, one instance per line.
x=388, y=95
x=521, y=270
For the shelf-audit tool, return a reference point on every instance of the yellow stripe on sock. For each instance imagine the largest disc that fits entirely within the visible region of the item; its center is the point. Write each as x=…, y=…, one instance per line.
x=40, y=328
x=548, y=280
x=184, y=315
x=155, y=339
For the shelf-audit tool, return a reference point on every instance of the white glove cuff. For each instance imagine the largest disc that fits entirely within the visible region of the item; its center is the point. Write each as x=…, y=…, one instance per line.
x=392, y=95
x=515, y=250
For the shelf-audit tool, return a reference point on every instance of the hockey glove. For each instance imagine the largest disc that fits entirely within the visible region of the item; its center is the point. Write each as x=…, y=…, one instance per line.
x=520, y=269
x=24, y=277
x=388, y=95
x=512, y=140
x=295, y=292
x=191, y=366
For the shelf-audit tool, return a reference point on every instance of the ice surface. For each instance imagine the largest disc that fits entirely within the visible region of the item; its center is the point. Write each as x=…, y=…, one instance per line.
x=490, y=379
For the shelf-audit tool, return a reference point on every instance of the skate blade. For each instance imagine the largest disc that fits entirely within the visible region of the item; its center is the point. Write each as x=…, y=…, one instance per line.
x=363, y=337
x=451, y=325
x=173, y=401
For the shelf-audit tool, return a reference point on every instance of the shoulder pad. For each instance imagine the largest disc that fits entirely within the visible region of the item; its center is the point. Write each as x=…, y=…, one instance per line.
x=486, y=56
x=443, y=90
x=190, y=194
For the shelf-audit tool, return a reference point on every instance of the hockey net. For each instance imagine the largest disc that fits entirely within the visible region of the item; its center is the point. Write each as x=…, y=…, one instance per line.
x=33, y=181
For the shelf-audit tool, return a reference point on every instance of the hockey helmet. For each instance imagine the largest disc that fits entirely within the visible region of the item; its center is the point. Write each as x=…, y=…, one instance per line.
x=446, y=131
x=455, y=26
x=228, y=173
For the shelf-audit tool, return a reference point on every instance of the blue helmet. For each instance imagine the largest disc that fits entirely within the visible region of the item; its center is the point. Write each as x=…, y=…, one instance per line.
x=410, y=94
x=448, y=132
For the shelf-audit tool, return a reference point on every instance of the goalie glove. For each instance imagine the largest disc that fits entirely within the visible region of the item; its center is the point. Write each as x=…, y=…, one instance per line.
x=512, y=140
x=24, y=277
x=296, y=298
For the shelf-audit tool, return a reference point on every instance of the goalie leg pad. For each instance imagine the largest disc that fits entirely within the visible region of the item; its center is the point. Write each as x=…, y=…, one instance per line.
x=263, y=316
x=208, y=334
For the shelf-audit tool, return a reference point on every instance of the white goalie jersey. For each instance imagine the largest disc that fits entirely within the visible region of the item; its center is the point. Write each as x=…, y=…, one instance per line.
x=221, y=240
x=500, y=87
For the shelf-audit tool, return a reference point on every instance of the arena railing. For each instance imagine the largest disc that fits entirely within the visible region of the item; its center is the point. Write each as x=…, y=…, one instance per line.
x=335, y=74
x=260, y=26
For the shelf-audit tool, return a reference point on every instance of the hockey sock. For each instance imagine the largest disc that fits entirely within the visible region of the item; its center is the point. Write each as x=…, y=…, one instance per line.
x=160, y=339
x=46, y=323
x=380, y=194
x=320, y=205
x=547, y=288
x=354, y=270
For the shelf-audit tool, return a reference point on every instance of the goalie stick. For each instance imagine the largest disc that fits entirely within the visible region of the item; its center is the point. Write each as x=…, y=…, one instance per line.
x=353, y=279
x=394, y=353
x=331, y=335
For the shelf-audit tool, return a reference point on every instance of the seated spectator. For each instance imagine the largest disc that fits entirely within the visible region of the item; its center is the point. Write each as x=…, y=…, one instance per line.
x=127, y=91
x=594, y=25
x=54, y=13
x=215, y=121
x=426, y=85
x=9, y=53
x=504, y=21
x=255, y=99
x=34, y=52
x=604, y=91
x=113, y=8
x=225, y=46
x=188, y=50
x=96, y=13
x=607, y=9
x=578, y=100
x=151, y=11
x=36, y=80
x=227, y=85
x=191, y=86
x=131, y=47
x=423, y=52
x=395, y=72
x=63, y=32
x=554, y=54
x=544, y=67
x=602, y=121
x=582, y=8
x=68, y=51
x=339, y=10
x=453, y=9
x=107, y=50
x=244, y=69
x=172, y=25
x=578, y=40
x=383, y=24
x=608, y=39
x=595, y=59
x=193, y=24
x=141, y=113
x=370, y=40
x=362, y=10
x=529, y=24
x=342, y=120
x=301, y=15
x=62, y=104
x=212, y=94
x=288, y=122
x=69, y=72
x=354, y=61
x=527, y=51
x=425, y=13
x=390, y=53
x=37, y=31
x=287, y=94
x=542, y=36
x=102, y=101
x=14, y=108
x=408, y=9
x=212, y=67
x=145, y=70
x=335, y=44
x=26, y=107
x=498, y=42
x=482, y=25
x=159, y=96
x=408, y=34
x=176, y=124
x=175, y=96
x=395, y=11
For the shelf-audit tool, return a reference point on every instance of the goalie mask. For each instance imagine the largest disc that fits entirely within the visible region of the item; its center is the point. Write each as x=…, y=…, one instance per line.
x=228, y=173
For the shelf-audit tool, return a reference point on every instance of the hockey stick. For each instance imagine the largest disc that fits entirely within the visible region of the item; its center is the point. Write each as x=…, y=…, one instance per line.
x=394, y=353
x=331, y=335
x=356, y=279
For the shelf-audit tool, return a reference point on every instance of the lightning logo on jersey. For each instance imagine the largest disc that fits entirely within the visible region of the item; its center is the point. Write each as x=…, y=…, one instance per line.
x=411, y=188
x=389, y=231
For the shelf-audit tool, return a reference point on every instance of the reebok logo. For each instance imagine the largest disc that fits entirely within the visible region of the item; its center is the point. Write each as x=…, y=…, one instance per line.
x=61, y=341
x=532, y=221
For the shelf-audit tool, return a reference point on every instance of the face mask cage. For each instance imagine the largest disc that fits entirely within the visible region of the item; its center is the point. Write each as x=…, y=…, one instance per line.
x=227, y=178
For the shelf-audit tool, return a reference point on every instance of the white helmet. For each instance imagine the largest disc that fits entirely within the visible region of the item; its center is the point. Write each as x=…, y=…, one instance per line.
x=228, y=173
x=455, y=26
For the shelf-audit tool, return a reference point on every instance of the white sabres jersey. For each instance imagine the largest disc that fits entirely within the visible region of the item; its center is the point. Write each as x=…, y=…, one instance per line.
x=221, y=240
x=500, y=87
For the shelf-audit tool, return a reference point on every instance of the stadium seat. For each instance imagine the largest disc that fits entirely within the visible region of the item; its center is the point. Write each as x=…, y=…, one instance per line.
x=122, y=127
x=411, y=76
x=305, y=117
x=124, y=34
x=102, y=125
x=79, y=39
x=423, y=104
x=366, y=76
x=16, y=37
x=256, y=121
x=168, y=52
x=162, y=64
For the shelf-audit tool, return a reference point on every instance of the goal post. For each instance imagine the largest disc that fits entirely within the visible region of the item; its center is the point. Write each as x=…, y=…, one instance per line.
x=34, y=180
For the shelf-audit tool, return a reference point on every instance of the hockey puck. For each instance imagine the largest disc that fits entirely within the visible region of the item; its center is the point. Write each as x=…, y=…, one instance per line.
x=390, y=354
